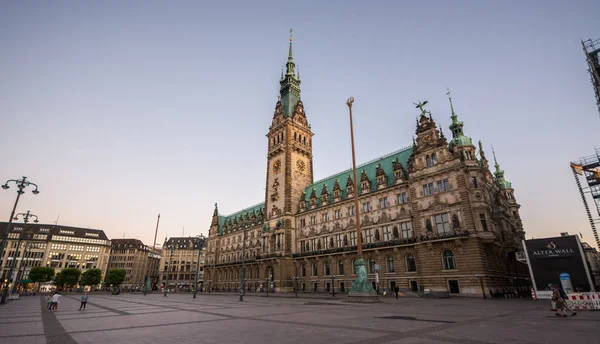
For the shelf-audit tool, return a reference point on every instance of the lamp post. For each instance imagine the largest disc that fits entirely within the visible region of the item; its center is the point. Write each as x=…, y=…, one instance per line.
x=243, y=281
x=26, y=217
x=168, y=268
x=296, y=285
x=200, y=246
x=150, y=258
x=361, y=289
x=481, y=277
x=21, y=185
x=333, y=285
x=268, y=283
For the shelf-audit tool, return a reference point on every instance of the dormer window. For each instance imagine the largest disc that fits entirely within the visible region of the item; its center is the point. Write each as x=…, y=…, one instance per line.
x=337, y=194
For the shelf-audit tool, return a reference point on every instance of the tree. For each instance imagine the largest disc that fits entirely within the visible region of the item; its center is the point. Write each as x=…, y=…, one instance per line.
x=41, y=274
x=115, y=276
x=91, y=277
x=68, y=277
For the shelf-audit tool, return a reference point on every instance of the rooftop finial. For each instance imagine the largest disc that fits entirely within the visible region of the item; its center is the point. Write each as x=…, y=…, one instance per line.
x=495, y=161
x=291, y=35
x=454, y=117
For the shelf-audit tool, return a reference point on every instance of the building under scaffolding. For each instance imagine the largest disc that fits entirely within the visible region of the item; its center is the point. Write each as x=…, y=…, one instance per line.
x=592, y=55
x=588, y=168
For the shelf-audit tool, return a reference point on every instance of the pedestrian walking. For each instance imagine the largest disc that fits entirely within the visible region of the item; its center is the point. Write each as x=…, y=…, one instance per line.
x=561, y=304
x=55, y=300
x=84, y=300
x=49, y=302
x=396, y=291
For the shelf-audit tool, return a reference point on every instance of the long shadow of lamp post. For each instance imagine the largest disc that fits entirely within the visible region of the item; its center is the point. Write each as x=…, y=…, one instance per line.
x=21, y=185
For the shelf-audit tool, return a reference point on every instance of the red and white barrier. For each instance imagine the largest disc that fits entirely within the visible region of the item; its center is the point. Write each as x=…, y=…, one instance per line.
x=589, y=301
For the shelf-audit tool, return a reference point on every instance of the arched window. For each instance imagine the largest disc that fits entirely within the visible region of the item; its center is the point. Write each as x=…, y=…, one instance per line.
x=326, y=269
x=295, y=136
x=354, y=267
x=314, y=269
x=411, y=265
x=428, y=161
x=389, y=264
x=433, y=159
x=371, y=265
x=395, y=233
x=448, y=260
x=303, y=270
x=340, y=265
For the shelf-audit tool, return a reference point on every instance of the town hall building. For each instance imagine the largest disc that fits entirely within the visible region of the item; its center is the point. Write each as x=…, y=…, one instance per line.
x=433, y=216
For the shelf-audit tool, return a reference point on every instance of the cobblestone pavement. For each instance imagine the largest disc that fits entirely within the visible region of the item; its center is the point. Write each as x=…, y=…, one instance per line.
x=221, y=318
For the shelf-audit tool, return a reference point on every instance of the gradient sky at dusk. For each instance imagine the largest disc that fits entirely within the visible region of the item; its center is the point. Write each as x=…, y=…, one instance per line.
x=120, y=110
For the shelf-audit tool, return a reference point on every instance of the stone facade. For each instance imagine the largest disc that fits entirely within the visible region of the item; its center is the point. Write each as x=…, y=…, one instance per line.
x=433, y=216
x=179, y=263
x=54, y=246
x=133, y=256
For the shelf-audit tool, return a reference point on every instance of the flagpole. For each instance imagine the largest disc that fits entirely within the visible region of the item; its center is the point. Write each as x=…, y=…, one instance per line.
x=361, y=290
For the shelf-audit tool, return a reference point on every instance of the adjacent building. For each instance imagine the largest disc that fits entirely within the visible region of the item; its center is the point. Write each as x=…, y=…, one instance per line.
x=56, y=246
x=433, y=215
x=133, y=256
x=181, y=258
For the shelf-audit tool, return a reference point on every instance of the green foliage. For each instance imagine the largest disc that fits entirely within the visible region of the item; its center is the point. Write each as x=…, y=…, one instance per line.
x=68, y=277
x=41, y=274
x=115, y=276
x=91, y=277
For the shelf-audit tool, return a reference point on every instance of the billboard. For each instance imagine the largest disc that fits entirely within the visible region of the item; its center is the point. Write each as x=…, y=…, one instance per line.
x=557, y=260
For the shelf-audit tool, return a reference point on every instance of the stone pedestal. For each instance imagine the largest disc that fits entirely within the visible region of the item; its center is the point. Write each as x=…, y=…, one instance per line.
x=362, y=291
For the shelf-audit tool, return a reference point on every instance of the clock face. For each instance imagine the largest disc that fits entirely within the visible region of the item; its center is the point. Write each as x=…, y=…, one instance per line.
x=300, y=165
x=277, y=166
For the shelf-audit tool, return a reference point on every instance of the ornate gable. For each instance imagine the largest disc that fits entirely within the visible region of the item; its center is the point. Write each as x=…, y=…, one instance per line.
x=365, y=184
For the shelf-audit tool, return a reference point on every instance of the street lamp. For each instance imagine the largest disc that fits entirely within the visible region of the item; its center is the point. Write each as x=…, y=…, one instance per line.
x=268, y=284
x=168, y=268
x=481, y=277
x=26, y=217
x=151, y=257
x=21, y=185
x=243, y=281
x=333, y=285
x=296, y=285
x=200, y=246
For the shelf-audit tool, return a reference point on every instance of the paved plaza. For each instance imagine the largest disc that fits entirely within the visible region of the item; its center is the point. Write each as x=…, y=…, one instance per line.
x=221, y=318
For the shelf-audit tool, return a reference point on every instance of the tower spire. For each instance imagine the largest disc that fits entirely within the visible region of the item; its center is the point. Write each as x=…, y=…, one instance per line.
x=456, y=127
x=290, y=84
x=453, y=116
x=499, y=174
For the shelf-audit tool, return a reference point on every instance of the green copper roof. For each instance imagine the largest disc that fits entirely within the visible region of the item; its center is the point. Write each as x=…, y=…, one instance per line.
x=226, y=219
x=370, y=169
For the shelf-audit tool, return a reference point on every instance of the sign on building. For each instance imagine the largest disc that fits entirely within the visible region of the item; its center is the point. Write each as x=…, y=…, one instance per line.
x=558, y=260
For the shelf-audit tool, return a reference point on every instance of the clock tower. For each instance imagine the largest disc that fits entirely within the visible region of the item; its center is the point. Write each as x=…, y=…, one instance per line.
x=289, y=158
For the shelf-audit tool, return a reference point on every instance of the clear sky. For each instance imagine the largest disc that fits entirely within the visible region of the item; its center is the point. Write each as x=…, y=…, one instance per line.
x=120, y=110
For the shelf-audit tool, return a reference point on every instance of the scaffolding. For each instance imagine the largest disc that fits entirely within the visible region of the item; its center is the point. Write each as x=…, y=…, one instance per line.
x=591, y=50
x=589, y=168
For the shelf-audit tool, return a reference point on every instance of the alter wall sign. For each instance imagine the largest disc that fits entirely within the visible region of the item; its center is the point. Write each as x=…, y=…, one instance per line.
x=551, y=257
